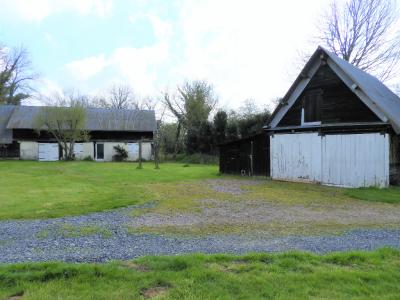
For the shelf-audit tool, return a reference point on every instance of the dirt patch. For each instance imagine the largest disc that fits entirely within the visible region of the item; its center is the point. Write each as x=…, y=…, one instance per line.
x=261, y=211
x=233, y=186
x=250, y=212
x=231, y=267
x=153, y=292
x=16, y=296
x=135, y=266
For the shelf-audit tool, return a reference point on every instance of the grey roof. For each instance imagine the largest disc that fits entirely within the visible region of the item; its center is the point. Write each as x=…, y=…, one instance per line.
x=378, y=96
x=97, y=119
x=5, y=134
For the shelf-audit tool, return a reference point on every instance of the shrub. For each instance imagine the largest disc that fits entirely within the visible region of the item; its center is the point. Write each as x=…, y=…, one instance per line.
x=88, y=158
x=121, y=155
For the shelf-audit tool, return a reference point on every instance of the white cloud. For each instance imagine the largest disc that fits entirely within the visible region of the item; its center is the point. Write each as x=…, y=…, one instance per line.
x=137, y=67
x=37, y=10
x=85, y=68
x=245, y=47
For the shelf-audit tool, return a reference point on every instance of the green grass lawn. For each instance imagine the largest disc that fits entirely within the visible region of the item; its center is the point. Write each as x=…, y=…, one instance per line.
x=353, y=275
x=31, y=190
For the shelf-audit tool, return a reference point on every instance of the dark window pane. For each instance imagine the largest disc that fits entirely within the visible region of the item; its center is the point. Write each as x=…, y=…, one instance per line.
x=312, y=102
x=100, y=151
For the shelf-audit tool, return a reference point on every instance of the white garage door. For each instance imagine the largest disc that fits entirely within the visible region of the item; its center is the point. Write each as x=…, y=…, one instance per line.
x=356, y=160
x=48, y=152
x=352, y=160
x=296, y=157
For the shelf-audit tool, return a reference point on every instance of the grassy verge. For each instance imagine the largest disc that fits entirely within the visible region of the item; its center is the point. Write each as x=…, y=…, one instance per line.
x=390, y=195
x=353, y=275
x=196, y=158
x=31, y=190
x=72, y=231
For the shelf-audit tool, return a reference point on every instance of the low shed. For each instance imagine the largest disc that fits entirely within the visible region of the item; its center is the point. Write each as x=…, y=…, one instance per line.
x=246, y=156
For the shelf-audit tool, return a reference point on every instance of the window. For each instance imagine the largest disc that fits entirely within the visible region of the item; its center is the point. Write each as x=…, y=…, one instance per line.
x=311, y=112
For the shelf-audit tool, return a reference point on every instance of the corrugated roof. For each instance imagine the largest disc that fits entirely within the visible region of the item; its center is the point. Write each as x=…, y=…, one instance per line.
x=379, y=94
x=383, y=97
x=5, y=134
x=97, y=119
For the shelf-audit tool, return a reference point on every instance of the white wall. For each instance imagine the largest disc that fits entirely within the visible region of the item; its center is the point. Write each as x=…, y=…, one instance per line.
x=353, y=160
x=82, y=150
x=109, y=150
x=29, y=150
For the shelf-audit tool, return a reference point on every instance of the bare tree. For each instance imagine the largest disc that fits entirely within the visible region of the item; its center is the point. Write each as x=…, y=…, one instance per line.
x=148, y=102
x=191, y=105
x=66, y=124
x=121, y=97
x=16, y=75
x=364, y=33
x=175, y=107
x=67, y=98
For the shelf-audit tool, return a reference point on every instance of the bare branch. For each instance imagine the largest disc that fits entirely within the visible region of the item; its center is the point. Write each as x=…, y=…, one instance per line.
x=365, y=34
x=16, y=75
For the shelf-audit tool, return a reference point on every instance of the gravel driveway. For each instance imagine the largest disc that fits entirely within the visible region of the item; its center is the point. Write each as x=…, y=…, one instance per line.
x=104, y=236
x=22, y=241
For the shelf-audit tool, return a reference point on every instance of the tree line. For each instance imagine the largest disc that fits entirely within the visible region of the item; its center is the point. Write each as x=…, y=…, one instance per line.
x=200, y=126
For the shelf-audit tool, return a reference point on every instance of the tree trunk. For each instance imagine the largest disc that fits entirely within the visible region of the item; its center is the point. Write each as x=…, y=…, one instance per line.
x=156, y=158
x=140, y=155
x=178, y=133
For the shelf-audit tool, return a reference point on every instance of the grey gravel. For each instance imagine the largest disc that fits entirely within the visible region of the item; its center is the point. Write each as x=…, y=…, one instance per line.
x=22, y=241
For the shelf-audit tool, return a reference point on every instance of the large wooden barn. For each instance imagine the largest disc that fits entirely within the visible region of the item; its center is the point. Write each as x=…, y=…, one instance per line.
x=107, y=128
x=337, y=125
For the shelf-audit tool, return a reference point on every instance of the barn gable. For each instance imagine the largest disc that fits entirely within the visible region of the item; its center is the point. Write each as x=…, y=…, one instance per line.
x=329, y=90
x=336, y=125
x=328, y=100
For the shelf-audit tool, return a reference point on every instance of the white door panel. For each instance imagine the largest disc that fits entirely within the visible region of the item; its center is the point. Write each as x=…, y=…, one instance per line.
x=133, y=151
x=356, y=160
x=296, y=157
x=48, y=152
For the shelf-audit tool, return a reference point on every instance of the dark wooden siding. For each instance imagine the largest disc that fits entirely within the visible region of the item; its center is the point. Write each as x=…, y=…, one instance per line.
x=235, y=156
x=394, y=158
x=339, y=104
x=31, y=135
x=9, y=150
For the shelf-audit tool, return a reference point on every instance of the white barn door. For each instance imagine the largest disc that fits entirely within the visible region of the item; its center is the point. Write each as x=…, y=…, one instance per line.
x=133, y=151
x=356, y=160
x=48, y=152
x=296, y=157
x=350, y=160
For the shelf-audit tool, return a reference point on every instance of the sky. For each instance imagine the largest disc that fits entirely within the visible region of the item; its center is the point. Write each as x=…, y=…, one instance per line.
x=248, y=49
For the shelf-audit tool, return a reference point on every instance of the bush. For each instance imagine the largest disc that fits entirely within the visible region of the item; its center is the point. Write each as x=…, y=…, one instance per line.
x=121, y=155
x=88, y=158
